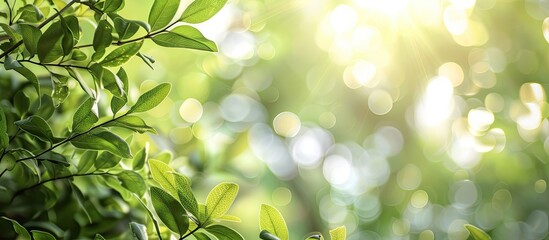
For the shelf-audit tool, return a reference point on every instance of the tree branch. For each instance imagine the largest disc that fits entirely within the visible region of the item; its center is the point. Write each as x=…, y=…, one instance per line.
x=190, y=233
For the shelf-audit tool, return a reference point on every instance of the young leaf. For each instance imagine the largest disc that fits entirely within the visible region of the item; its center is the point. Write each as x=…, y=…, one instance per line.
x=85, y=117
x=139, y=231
x=162, y=12
x=4, y=138
x=185, y=37
x=169, y=210
x=121, y=55
x=224, y=232
x=339, y=233
x=133, y=123
x=271, y=220
x=477, y=233
x=41, y=235
x=113, y=5
x=50, y=43
x=141, y=157
x=78, y=55
x=220, y=199
x=37, y=127
x=132, y=181
x=31, y=35
x=229, y=218
x=106, y=160
x=103, y=141
x=20, y=230
x=201, y=10
x=161, y=173
x=151, y=98
x=185, y=193
x=266, y=235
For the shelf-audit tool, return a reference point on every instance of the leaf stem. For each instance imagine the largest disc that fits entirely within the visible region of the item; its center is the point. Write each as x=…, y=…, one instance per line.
x=16, y=45
x=21, y=191
x=53, y=64
x=189, y=233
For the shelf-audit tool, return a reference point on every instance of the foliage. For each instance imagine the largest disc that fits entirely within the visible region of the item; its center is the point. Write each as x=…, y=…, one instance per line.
x=80, y=181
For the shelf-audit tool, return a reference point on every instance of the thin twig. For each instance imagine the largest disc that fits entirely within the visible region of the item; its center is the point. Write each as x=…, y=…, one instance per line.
x=190, y=233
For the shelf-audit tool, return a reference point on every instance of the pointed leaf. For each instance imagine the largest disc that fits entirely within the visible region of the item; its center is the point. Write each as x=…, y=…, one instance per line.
x=102, y=38
x=141, y=157
x=20, y=230
x=121, y=55
x=339, y=233
x=266, y=235
x=11, y=63
x=30, y=13
x=185, y=37
x=125, y=29
x=139, y=231
x=4, y=138
x=60, y=88
x=132, y=181
x=185, y=193
x=108, y=80
x=224, y=232
x=106, y=160
x=271, y=220
x=50, y=43
x=201, y=236
x=477, y=233
x=169, y=210
x=151, y=98
x=230, y=218
x=113, y=5
x=133, y=123
x=85, y=117
x=41, y=235
x=161, y=173
x=31, y=35
x=162, y=13
x=220, y=199
x=86, y=161
x=201, y=10
x=29, y=75
x=21, y=102
x=103, y=141
x=37, y=127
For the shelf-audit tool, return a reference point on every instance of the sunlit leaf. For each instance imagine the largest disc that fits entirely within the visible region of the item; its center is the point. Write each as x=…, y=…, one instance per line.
x=133, y=123
x=339, y=233
x=201, y=10
x=85, y=117
x=113, y=5
x=140, y=157
x=220, y=199
x=125, y=29
x=477, y=233
x=50, y=43
x=162, y=12
x=29, y=75
x=60, y=89
x=133, y=182
x=109, y=80
x=201, y=236
x=54, y=157
x=102, y=38
x=78, y=55
x=185, y=193
x=37, y=127
x=86, y=162
x=161, y=173
x=185, y=37
x=224, y=232
x=31, y=35
x=106, y=160
x=151, y=98
x=103, y=141
x=229, y=218
x=30, y=13
x=121, y=54
x=271, y=220
x=169, y=210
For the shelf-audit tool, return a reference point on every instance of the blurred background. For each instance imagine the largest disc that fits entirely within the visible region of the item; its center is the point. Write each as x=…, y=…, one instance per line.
x=399, y=119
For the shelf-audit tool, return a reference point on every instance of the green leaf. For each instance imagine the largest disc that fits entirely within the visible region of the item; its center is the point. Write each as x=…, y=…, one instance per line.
x=71, y=33
x=125, y=29
x=45, y=107
x=139, y=231
x=133, y=123
x=132, y=181
x=266, y=235
x=146, y=59
x=85, y=116
x=201, y=10
x=54, y=157
x=29, y=75
x=8, y=162
x=31, y=35
x=60, y=88
x=151, y=98
x=50, y=43
x=271, y=220
x=185, y=193
x=201, y=236
x=121, y=55
x=113, y=5
x=169, y=210
x=339, y=233
x=21, y=102
x=185, y=37
x=141, y=157
x=20, y=230
x=229, y=218
x=41, y=235
x=4, y=138
x=477, y=233
x=220, y=199
x=74, y=74
x=11, y=63
x=78, y=55
x=224, y=232
x=37, y=127
x=30, y=13
x=106, y=160
x=87, y=161
x=161, y=173
x=99, y=237
x=162, y=13
x=103, y=141
x=108, y=80
x=315, y=236
x=149, y=212
x=102, y=38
